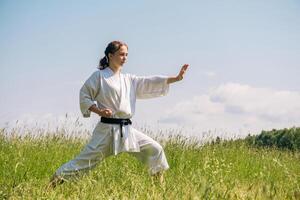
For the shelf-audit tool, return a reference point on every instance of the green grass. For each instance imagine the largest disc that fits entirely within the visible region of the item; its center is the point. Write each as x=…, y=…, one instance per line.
x=225, y=170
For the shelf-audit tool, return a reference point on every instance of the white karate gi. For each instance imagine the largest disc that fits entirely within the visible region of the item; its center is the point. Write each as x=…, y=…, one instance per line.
x=117, y=92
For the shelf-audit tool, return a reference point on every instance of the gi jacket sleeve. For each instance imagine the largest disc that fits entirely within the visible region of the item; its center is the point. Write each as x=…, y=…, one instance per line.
x=88, y=93
x=150, y=86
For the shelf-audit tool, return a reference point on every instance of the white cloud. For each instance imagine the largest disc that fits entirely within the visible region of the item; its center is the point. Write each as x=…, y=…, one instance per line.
x=228, y=110
x=237, y=108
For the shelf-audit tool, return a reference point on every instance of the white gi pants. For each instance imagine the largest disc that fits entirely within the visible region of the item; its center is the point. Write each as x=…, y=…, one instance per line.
x=101, y=146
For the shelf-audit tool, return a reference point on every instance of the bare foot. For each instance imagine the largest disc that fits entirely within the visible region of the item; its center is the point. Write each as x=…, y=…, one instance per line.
x=55, y=180
x=159, y=177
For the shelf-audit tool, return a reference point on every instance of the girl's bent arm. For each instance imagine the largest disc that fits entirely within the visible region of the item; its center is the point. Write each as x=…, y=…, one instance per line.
x=101, y=112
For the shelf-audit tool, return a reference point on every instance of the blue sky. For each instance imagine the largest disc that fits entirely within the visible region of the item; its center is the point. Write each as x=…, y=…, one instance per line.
x=237, y=50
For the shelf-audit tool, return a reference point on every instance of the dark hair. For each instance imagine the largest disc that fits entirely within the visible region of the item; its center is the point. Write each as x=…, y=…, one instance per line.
x=112, y=48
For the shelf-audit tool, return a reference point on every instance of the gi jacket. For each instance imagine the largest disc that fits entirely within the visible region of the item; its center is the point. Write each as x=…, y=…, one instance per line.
x=119, y=92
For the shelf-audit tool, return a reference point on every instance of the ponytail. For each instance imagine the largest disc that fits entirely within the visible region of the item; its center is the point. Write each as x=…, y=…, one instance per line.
x=103, y=63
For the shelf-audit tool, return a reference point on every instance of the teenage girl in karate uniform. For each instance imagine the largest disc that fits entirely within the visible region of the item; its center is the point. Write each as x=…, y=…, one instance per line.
x=116, y=94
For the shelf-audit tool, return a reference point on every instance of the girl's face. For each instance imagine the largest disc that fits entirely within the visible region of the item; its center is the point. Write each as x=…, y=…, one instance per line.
x=119, y=58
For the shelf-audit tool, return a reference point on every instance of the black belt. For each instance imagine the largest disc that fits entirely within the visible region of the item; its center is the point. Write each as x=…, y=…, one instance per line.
x=122, y=122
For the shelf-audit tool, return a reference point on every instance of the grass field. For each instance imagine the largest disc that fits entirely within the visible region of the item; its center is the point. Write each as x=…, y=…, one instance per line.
x=224, y=170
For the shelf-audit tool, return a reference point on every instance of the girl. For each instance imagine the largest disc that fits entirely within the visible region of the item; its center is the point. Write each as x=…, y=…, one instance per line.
x=116, y=94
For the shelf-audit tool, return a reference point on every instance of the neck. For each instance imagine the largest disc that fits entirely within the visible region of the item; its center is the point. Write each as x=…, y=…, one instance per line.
x=115, y=69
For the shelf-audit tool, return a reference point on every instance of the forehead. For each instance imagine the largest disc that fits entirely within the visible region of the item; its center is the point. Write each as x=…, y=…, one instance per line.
x=123, y=49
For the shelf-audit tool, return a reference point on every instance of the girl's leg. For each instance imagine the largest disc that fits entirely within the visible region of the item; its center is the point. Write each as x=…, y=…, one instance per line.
x=151, y=154
x=99, y=147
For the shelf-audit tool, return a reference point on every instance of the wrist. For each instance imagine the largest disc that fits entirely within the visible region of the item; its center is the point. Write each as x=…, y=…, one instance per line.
x=173, y=79
x=178, y=78
x=99, y=112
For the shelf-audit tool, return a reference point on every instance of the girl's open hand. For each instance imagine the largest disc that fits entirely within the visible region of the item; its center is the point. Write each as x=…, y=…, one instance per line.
x=179, y=77
x=182, y=72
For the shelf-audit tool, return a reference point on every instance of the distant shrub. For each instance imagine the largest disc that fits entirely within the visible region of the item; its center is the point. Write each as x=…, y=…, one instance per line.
x=283, y=138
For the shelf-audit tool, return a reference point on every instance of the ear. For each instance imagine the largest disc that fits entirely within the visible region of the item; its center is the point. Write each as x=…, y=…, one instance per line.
x=110, y=55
